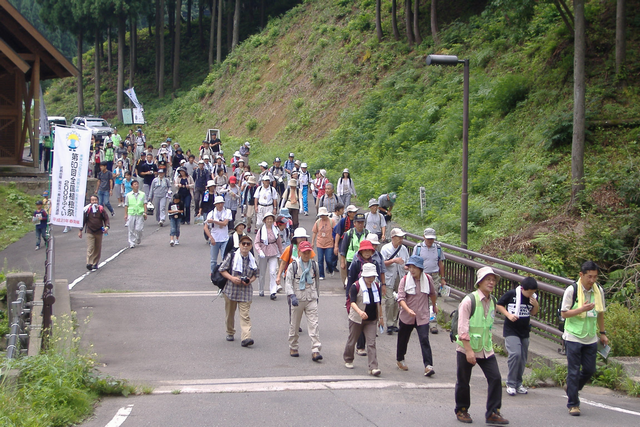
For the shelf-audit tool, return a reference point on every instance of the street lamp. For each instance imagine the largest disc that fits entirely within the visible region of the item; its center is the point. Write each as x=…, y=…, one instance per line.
x=452, y=60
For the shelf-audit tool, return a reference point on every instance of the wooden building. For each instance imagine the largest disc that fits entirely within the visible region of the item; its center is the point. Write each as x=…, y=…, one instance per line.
x=26, y=59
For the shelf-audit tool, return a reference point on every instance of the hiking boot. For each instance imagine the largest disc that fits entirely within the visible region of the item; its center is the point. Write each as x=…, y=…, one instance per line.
x=402, y=366
x=293, y=353
x=247, y=342
x=428, y=371
x=361, y=352
x=230, y=338
x=316, y=357
x=497, y=419
x=375, y=372
x=511, y=391
x=434, y=330
x=574, y=411
x=463, y=416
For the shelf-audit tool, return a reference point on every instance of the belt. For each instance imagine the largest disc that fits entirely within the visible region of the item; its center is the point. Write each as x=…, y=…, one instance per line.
x=270, y=204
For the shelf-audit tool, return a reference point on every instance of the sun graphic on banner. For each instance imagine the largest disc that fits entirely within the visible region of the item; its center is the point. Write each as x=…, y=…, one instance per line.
x=72, y=140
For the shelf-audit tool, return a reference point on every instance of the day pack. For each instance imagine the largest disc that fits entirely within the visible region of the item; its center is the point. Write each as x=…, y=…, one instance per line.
x=216, y=276
x=357, y=285
x=437, y=247
x=561, y=320
x=453, y=333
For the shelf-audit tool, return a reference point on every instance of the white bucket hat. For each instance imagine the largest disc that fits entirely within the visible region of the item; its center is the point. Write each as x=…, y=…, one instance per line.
x=300, y=232
x=373, y=238
x=398, y=232
x=218, y=199
x=322, y=211
x=369, y=270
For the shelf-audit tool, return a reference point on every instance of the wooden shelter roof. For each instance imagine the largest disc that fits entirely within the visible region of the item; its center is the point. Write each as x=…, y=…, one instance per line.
x=20, y=43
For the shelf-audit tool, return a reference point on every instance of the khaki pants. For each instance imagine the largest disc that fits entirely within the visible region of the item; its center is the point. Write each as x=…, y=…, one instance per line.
x=94, y=247
x=355, y=329
x=245, y=320
x=390, y=303
x=310, y=309
x=250, y=214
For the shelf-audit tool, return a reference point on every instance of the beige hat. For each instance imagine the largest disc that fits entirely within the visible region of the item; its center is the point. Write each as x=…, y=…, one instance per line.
x=218, y=199
x=369, y=270
x=398, y=232
x=300, y=232
x=373, y=202
x=483, y=272
x=252, y=180
x=205, y=157
x=269, y=214
x=323, y=172
x=211, y=183
x=373, y=238
x=352, y=208
x=293, y=183
x=322, y=211
x=429, y=233
x=297, y=162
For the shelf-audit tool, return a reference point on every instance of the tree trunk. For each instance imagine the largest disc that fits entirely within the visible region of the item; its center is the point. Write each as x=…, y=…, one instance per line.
x=563, y=15
x=434, y=22
x=120, y=91
x=378, y=21
x=577, y=147
x=262, y=14
x=229, y=12
x=201, y=22
x=219, y=35
x=236, y=26
x=189, y=6
x=109, y=50
x=394, y=20
x=212, y=30
x=79, y=80
x=97, y=72
x=408, y=22
x=160, y=47
x=416, y=24
x=621, y=42
x=132, y=49
x=171, y=12
x=176, y=49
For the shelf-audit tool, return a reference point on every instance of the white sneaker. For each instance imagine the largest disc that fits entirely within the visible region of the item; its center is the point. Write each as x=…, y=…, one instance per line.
x=279, y=289
x=522, y=390
x=171, y=242
x=511, y=391
x=66, y=230
x=131, y=246
x=177, y=242
x=375, y=372
x=348, y=365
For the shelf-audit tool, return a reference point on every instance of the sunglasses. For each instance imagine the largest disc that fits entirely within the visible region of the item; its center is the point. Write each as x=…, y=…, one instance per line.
x=245, y=244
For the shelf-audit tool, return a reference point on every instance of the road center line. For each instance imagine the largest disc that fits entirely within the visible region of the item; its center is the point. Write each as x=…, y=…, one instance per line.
x=120, y=417
x=612, y=408
x=102, y=264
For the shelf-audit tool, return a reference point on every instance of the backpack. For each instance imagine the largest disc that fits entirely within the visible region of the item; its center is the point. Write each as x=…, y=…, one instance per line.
x=453, y=333
x=561, y=320
x=216, y=276
x=437, y=247
x=357, y=285
x=294, y=268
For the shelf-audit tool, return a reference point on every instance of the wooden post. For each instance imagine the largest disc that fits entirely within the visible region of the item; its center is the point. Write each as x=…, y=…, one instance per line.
x=35, y=136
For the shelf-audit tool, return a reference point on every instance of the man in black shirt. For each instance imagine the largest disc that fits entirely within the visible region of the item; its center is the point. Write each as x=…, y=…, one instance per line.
x=518, y=305
x=147, y=171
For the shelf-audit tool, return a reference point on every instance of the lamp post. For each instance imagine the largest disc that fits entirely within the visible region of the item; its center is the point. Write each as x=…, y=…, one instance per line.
x=452, y=60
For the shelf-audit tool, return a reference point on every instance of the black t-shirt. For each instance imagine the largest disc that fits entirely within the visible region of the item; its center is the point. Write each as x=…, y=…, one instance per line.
x=148, y=167
x=372, y=308
x=520, y=327
x=177, y=206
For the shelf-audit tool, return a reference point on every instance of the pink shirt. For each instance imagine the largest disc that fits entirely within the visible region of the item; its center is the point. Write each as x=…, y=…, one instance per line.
x=418, y=303
x=464, y=312
x=274, y=248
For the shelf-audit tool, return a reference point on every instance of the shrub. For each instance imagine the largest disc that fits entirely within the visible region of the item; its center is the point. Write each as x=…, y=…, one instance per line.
x=252, y=125
x=623, y=328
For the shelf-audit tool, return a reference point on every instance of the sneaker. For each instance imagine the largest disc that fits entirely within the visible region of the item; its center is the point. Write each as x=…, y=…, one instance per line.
x=348, y=365
x=316, y=357
x=389, y=331
x=279, y=289
x=230, y=338
x=361, y=352
x=522, y=390
x=38, y=248
x=94, y=267
x=428, y=371
x=261, y=293
x=171, y=242
x=247, y=342
x=496, y=418
x=273, y=297
x=177, y=242
x=463, y=416
x=574, y=411
x=161, y=223
x=333, y=273
x=89, y=266
x=293, y=353
x=306, y=213
x=402, y=366
x=66, y=230
x=375, y=372
x=322, y=278
x=131, y=246
x=511, y=391
x=113, y=213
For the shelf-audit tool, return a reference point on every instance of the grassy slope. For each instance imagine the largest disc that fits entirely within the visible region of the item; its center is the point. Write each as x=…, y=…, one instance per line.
x=15, y=215
x=317, y=82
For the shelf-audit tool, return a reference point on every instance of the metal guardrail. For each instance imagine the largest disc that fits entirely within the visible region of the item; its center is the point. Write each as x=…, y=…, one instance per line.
x=460, y=271
x=20, y=313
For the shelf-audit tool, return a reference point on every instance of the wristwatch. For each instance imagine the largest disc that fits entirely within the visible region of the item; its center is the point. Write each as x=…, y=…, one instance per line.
x=603, y=332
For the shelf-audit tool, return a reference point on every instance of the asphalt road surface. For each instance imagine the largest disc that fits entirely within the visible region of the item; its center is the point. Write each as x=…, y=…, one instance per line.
x=153, y=318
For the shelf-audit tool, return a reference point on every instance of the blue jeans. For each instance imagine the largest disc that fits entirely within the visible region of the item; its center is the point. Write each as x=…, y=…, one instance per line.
x=103, y=199
x=41, y=233
x=215, y=249
x=175, y=226
x=325, y=255
x=579, y=355
x=305, y=197
x=187, y=208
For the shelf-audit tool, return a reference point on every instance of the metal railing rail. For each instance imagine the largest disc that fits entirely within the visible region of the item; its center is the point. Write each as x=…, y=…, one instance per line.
x=460, y=272
x=20, y=310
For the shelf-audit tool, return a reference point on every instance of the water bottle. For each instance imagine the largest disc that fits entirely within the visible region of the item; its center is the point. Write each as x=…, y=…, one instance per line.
x=432, y=317
x=105, y=231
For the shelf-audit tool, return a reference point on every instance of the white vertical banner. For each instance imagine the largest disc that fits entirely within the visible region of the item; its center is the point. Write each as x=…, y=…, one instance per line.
x=131, y=93
x=69, y=175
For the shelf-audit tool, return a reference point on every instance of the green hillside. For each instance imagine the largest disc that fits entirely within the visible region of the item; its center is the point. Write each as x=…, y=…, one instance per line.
x=317, y=82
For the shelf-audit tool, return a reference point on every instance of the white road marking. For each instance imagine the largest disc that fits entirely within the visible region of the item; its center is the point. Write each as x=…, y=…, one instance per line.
x=604, y=406
x=251, y=385
x=102, y=264
x=120, y=417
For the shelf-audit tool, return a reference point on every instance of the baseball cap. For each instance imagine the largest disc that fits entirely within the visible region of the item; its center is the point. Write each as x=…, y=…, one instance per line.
x=201, y=162
x=373, y=238
x=205, y=157
x=291, y=155
x=263, y=164
x=429, y=233
x=373, y=202
x=397, y=232
x=305, y=246
x=359, y=217
x=352, y=208
x=233, y=179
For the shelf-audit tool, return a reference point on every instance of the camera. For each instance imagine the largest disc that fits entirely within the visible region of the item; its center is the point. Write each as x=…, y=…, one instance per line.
x=245, y=279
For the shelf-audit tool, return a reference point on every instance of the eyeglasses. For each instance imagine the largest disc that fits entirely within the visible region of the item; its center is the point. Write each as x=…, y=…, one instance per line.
x=245, y=244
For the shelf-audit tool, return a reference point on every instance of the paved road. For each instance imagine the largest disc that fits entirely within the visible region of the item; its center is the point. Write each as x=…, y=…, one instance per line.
x=154, y=319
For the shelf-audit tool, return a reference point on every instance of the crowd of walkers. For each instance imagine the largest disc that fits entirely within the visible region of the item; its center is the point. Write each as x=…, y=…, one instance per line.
x=387, y=288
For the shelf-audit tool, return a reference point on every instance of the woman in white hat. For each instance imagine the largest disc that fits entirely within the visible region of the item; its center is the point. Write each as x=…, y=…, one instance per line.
x=320, y=184
x=269, y=247
x=292, y=200
x=322, y=237
x=345, y=188
x=215, y=227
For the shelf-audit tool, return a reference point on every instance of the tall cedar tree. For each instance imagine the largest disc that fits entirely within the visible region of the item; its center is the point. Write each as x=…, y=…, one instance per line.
x=378, y=21
x=176, y=48
x=434, y=22
x=394, y=20
x=160, y=47
x=577, y=146
x=236, y=26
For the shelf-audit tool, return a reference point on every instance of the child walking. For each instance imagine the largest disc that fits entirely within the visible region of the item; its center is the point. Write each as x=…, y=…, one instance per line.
x=40, y=219
x=176, y=210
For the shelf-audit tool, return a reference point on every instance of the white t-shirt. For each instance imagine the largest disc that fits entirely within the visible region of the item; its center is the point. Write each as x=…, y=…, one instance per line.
x=265, y=196
x=218, y=232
